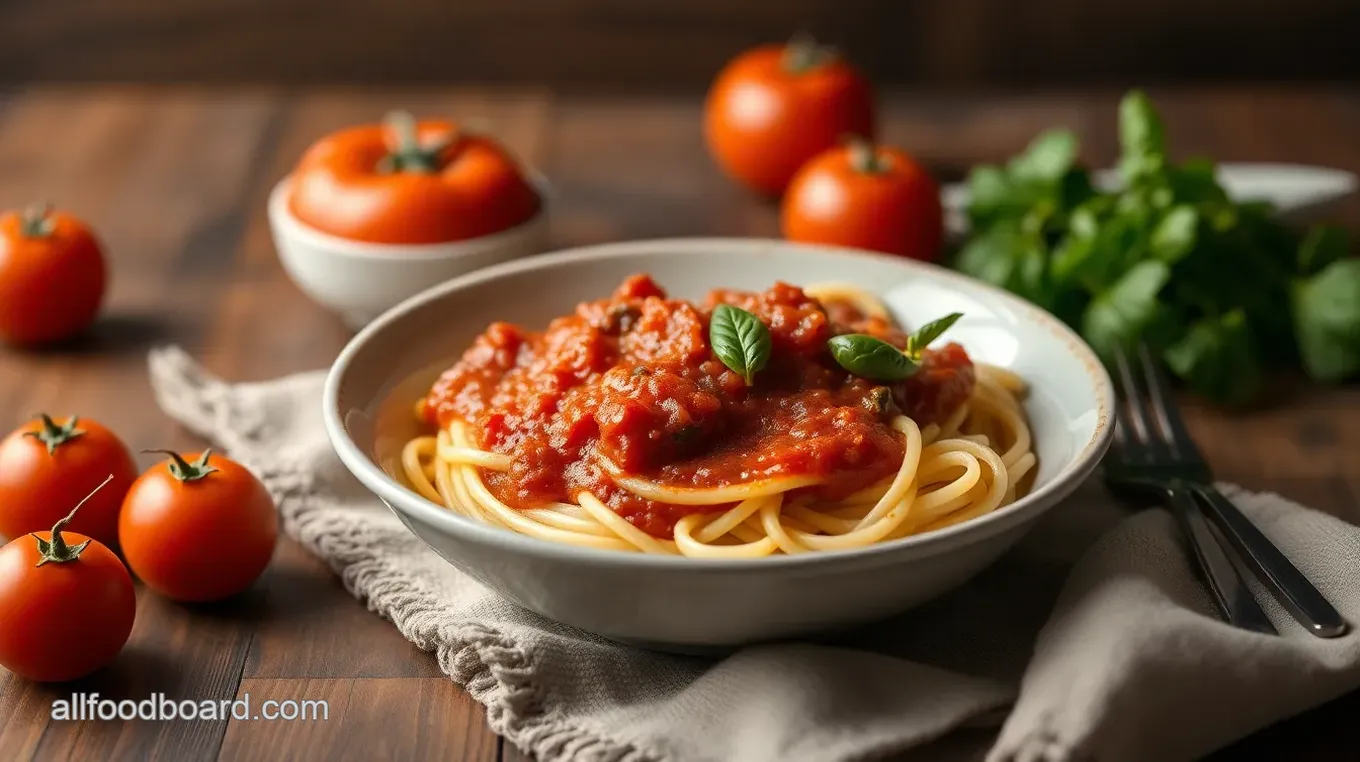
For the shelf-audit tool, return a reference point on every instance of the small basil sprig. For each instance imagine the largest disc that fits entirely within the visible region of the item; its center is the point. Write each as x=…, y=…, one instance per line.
x=930, y=332
x=877, y=360
x=740, y=340
x=871, y=358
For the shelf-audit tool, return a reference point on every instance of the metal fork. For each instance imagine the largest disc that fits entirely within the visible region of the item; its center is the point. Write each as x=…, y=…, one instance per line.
x=1166, y=460
x=1135, y=462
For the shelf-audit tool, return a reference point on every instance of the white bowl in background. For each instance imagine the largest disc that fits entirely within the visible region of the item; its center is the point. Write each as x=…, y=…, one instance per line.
x=685, y=603
x=361, y=280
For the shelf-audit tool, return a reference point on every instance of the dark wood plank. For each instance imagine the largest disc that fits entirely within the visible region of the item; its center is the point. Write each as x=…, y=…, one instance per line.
x=665, y=44
x=146, y=170
x=180, y=653
x=25, y=711
x=368, y=719
x=311, y=627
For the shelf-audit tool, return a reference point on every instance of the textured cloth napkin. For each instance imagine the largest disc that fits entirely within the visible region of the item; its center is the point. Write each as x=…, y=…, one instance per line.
x=1092, y=640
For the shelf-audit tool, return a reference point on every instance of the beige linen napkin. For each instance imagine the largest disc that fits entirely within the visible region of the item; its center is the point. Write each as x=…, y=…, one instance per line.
x=1091, y=641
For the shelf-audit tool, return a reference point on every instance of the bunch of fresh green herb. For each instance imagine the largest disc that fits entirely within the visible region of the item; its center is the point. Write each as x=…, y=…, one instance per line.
x=1221, y=290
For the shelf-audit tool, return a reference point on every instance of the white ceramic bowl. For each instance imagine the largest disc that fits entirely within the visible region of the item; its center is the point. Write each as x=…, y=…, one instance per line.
x=675, y=602
x=361, y=280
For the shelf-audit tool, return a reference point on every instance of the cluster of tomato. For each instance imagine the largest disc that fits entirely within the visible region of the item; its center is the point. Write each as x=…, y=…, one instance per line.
x=194, y=528
x=797, y=121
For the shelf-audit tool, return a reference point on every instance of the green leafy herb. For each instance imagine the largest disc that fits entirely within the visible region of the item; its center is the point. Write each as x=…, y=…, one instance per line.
x=1127, y=310
x=1142, y=138
x=1047, y=159
x=870, y=357
x=1196, y=182
x=1013, y=260
x=1322, y=246
x=1038, y=185
x=1220, y=289
x=1327, y=319
x=930, y=332
x=740, y=340
x=1174, y=236
x=1217, y=358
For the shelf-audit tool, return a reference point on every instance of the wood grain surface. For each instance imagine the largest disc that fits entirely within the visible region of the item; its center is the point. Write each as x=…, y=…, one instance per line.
x=673, y=44
x=176, y=179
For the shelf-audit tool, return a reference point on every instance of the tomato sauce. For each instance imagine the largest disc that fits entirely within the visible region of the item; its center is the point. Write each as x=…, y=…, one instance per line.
x=632, y=379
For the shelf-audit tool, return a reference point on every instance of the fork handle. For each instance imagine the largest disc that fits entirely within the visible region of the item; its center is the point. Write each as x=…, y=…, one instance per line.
x=1229, y=590
x=1271, y=567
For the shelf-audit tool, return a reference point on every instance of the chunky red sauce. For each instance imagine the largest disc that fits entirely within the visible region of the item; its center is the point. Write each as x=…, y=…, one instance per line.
x=632, y=378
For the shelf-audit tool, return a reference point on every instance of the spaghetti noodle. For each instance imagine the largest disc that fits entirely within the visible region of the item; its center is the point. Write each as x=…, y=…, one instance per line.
x=616, y=429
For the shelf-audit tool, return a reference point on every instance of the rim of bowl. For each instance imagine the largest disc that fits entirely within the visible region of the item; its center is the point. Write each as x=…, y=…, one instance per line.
x=279, y=212
x=401, y=498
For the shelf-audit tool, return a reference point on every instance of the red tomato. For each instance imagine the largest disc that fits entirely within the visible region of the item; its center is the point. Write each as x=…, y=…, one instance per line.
x=408, y=183
x=774, y=107
x=52, y=276
x=46, y=465
x=66, y=602
x=868, y=197
x=198, y=528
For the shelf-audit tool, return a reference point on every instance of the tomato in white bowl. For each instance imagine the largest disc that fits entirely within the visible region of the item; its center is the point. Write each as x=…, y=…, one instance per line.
x=375, y=213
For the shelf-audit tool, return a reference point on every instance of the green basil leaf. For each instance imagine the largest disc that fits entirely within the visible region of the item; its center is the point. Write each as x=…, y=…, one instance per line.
x=930, y=332
x=1327, y=321
x=1142, y=138
x=1195, y=181
x=1121, y=315
x=1322, y=246
x=1117, y=246
x=1031, y=277
x=1070, y=257
x=1175, y=235
x=1075, y=188
x=740, y=340
x=991, y=256
x=1010, y=259
x=1217, y=359
x=990, y=195
x=1046, y=159
x=871, y=358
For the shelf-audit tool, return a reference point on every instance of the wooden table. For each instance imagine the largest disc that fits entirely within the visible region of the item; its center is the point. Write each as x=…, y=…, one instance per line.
x=176, y=182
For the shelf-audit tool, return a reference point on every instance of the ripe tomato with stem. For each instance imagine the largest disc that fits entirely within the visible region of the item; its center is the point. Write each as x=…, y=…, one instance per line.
x=409, y=182
x=48, y=464
x=198, y=527
x=866, y=196
x=66, y=601
x=52, y=276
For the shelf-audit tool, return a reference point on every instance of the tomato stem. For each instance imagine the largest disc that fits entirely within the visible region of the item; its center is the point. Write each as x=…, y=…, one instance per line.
x=802, y=54
x=864, y=156
x=37, y=221
x=56, y=550
x=407, y=154
x=54, y=436
x=184, y=470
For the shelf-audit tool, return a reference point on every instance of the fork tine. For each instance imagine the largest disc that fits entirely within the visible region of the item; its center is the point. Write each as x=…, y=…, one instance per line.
x=1132, y=395
x=1164, y=407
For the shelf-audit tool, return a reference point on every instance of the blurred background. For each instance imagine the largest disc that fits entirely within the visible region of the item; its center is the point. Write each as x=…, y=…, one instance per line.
x=674, y=45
